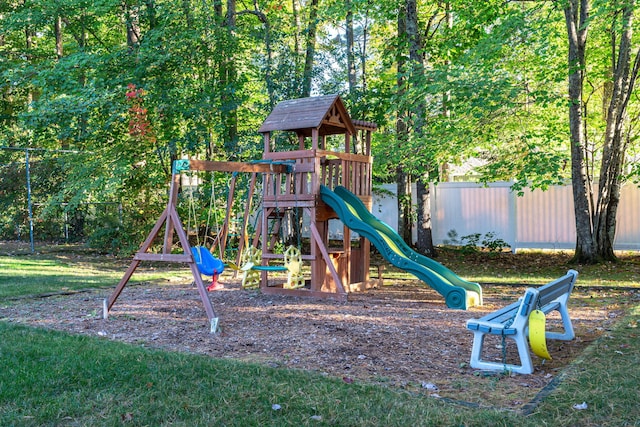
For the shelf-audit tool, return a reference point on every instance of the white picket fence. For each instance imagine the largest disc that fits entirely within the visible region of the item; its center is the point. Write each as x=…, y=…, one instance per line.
x=538, y=219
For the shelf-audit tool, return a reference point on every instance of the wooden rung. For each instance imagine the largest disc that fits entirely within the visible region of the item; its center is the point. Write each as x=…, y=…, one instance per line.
x=140, y=256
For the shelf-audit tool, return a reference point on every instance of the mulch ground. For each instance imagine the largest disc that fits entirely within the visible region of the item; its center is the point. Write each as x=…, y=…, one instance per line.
x=400, y=335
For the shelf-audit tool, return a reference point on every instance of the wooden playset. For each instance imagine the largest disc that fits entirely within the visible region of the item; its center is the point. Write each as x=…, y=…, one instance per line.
x=291, y=182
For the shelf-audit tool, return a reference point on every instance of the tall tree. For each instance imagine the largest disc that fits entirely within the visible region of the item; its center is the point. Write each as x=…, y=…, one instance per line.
x=576, y=15
x=402, y=177
x=596, y=219
x=418, y=112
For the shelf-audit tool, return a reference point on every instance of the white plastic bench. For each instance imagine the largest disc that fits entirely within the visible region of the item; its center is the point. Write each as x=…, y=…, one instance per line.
x=512, y=322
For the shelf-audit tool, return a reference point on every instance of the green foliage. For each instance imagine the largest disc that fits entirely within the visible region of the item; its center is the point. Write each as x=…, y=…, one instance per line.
x=494, y=244
x=468, y=244
x=114, y=238
x=493, y=87
x=471, y=242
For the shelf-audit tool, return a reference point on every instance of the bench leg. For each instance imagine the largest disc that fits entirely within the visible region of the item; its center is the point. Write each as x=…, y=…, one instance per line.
x=476, y=350
x=525, y=367
x=568, y=333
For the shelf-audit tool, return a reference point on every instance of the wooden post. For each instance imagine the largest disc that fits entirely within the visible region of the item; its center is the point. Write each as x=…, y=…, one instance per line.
x=314, y=139
x=173, y=200
x=267, y=141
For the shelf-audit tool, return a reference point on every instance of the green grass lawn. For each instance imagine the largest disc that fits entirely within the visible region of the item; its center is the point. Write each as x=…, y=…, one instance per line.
x=53, y=272
x=45, y=274
x=53, y=378
x=536, y=267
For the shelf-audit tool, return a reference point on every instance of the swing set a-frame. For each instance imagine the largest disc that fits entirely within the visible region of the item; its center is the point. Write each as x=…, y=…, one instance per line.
x=291, y=182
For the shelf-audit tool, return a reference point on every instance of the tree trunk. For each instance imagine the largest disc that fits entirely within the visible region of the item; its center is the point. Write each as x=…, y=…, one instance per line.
x=312, y=26
x=296, y=30
x=403, y=191
x=28, y=37
x=403, y=180
x=58, y=34
x=424, y=243
x=425, y=237
x=228, y=78
x=352, y=78
x=576, y=13
x=83, y=118
x=596, y=223
x=6, y=110
x=151, y=14
x=187, y=9
x=615, y=142
x=351, y=66
x=363, y=61
x=446, y=96
x=132, y=24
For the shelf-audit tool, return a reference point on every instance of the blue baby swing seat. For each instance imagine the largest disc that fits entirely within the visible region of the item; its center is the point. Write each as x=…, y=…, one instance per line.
x=207, y=263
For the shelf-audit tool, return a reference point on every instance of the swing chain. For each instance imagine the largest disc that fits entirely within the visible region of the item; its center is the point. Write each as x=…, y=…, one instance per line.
x=296, y=212
x=507, y=324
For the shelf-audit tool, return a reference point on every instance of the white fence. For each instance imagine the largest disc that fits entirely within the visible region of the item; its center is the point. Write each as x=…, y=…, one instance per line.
x=538, y=219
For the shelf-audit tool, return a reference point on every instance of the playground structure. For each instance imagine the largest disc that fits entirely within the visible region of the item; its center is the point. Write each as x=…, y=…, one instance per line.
x=291, y=184
x=313, y=120
x=291, y=181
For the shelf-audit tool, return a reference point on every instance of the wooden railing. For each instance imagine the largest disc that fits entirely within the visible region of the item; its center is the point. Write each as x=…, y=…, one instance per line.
x=311, y=168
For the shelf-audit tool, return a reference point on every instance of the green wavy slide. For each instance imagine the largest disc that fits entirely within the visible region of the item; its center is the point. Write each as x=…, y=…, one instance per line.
x=457, y=292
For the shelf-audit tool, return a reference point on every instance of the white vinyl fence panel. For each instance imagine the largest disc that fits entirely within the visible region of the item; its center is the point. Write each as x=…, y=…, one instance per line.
x=470, y=210
x=628, y=229
x=545, y=219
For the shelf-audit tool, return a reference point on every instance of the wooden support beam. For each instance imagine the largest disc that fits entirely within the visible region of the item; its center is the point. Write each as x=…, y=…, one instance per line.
x=162, y=257
x=173, y=201
x=327, y=258
x=210, y=166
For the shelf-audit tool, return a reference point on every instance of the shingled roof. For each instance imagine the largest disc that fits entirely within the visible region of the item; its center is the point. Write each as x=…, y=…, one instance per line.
x=325, y=113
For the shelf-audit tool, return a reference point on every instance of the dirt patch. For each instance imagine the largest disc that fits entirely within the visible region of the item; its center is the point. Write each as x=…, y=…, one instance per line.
x=400, y=335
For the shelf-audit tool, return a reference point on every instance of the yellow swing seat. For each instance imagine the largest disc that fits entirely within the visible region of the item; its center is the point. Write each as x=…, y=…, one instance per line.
x=252, y=257
x=251, y=277
x=293, y=263
x=537, y=334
